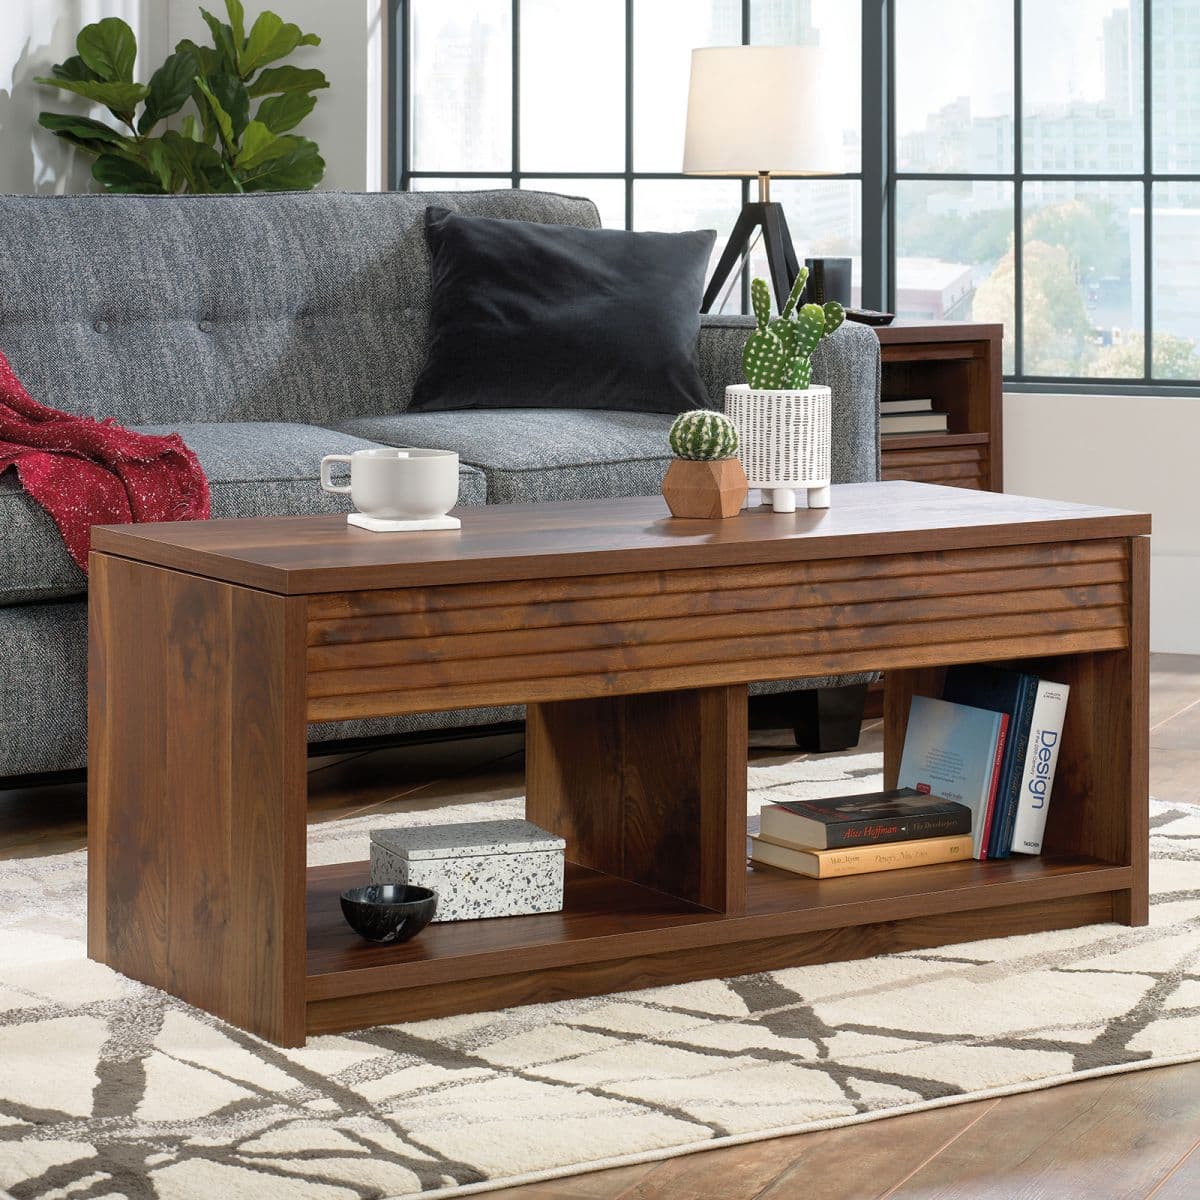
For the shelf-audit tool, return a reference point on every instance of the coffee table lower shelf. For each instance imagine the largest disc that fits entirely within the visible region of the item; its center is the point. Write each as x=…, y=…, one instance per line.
x=615, y=935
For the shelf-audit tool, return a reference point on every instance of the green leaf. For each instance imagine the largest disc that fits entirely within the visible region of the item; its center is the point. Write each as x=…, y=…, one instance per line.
x=219, y=115
x=119, y=98
x=160, y=162
x=199, y=166
x=169, y=88
x=298, y=168
x=222, y=37
x=124, y=175
x=81, y=131
x=237, y=22
x=270, y=38
x=109, y=48
x=232, y=96
x=259, y=144
x=189, y=129
x=208, y=61
x=284, y=112
x=287, y=79
x=73, y=68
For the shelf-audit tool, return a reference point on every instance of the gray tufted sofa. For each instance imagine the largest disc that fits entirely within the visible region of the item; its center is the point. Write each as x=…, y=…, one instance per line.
x=269, y=330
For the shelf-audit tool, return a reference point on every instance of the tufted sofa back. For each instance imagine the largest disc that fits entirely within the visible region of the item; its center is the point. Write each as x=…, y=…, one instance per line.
x=267, y=307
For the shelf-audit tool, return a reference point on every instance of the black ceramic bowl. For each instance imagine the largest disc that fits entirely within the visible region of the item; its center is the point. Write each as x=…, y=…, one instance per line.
x=388, y=912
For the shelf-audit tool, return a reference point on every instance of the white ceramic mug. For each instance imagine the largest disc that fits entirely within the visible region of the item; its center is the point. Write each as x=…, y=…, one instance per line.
x=397, y=485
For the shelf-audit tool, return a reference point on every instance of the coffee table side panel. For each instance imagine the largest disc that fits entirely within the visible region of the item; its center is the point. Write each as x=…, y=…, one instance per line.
x=196, y=791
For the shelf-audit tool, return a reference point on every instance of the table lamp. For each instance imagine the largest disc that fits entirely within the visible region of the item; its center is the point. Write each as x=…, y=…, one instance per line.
x=758, y=111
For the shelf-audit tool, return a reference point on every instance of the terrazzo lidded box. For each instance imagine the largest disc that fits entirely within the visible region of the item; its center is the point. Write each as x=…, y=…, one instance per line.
x=478, y=868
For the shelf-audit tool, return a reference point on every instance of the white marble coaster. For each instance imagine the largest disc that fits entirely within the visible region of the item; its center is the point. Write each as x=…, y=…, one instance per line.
x=377, y=525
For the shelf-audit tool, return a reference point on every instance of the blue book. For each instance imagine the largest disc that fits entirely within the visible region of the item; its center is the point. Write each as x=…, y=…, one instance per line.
x=953, y=751
x=1004, y=691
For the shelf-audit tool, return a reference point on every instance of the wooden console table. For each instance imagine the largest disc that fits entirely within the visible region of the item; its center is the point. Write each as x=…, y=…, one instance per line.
x=957, y=363
x=632, y=638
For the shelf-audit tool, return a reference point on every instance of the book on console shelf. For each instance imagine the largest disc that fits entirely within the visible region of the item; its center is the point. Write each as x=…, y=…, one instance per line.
x=955, y=752
x=859, y=860
x=913, y=415
x=854, y=835
x=1012, y=693
x=992, y=742
x=873, y=818
x=909, y=404
x=1041, y=762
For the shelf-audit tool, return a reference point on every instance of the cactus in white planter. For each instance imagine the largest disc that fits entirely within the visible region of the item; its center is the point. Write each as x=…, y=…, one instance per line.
x=778, y=354
x=705, y=479
x=783, y=421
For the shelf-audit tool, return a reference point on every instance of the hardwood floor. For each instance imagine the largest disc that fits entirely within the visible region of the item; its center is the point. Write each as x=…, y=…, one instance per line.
x=1134, y=1136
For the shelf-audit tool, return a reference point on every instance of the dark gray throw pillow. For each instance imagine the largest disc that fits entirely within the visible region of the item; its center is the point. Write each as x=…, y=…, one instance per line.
x=525, y=315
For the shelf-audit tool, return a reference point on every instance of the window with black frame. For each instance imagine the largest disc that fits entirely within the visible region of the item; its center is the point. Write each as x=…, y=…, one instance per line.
x=1039, y=165
x=1046, y=160
x=590, y=99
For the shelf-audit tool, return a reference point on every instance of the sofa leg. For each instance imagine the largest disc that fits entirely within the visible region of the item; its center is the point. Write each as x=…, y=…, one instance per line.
x=829, y=718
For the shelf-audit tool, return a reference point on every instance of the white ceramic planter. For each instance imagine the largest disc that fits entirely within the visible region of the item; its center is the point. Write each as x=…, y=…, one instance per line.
x=784, y=436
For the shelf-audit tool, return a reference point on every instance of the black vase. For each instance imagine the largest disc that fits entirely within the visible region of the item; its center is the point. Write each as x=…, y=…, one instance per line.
x=828, y=279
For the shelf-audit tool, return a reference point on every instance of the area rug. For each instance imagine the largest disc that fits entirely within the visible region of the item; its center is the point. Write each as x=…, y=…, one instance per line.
x=111, y=1089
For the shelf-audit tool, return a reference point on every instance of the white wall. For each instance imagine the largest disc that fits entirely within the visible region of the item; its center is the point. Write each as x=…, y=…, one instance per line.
x=346, y=123
x=1129, y=452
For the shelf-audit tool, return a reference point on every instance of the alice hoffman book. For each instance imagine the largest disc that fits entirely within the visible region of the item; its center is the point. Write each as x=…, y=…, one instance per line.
x=953, y=751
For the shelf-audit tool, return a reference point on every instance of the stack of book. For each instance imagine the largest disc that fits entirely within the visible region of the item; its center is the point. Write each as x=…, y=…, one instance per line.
x=852, y=835
x=991, y=743
x=911, y=416
x=975, y=780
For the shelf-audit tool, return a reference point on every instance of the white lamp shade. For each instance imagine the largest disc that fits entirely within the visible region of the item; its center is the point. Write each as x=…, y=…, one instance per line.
x=761, y=108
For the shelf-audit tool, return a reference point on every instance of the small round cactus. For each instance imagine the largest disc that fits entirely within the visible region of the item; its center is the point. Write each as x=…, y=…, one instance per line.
x=703, y=435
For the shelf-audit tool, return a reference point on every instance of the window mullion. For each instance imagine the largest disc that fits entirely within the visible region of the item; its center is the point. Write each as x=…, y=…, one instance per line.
x=1147, y=190
x=1018, y=151
x=515, y=24
x=877, y=175
x=629, y=51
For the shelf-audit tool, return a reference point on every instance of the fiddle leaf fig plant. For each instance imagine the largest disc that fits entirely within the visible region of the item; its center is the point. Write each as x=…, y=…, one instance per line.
x=217, y=146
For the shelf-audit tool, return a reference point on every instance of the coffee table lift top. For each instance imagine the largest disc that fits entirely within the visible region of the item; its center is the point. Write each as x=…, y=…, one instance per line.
x=631, y=637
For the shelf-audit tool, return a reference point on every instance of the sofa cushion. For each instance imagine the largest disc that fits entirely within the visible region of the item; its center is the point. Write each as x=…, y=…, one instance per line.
x=254, y=470
x=552, y=316
x=530, y=454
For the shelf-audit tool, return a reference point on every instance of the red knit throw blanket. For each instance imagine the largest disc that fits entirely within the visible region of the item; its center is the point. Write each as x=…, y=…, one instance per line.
x=85, y=472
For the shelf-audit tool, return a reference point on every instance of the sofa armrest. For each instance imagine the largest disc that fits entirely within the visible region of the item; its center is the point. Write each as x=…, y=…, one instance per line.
x=847, y=361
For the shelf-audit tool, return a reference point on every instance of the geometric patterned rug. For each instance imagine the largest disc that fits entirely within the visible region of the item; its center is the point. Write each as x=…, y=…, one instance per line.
x=112, y=1089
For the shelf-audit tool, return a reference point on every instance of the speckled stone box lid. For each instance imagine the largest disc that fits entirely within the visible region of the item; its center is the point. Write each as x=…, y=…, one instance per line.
x=470, y=838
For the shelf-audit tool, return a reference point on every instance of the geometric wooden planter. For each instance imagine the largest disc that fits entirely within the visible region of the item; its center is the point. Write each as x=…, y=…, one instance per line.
x=704, y=490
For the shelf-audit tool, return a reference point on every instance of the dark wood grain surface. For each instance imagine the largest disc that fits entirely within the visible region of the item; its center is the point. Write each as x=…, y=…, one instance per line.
x=295, y=555
x=196, y=792
x=956, y=364
x=631, y=637
x=650, y=788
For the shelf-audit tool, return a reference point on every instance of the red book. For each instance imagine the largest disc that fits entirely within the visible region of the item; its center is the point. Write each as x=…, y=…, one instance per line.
x=995, y=785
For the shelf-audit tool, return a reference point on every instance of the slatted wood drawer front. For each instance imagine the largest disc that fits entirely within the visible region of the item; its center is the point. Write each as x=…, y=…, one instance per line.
x=956, y=466
x=426, y=649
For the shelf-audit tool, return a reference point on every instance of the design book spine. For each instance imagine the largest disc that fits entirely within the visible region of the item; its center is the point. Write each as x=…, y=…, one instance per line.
x=1041, y=761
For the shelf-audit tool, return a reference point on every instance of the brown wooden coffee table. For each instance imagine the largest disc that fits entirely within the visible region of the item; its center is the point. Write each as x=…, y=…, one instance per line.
x=631, y=636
